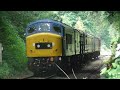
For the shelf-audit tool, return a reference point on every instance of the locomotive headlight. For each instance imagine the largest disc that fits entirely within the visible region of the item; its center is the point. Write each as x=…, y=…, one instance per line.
x=60, y=58
x=53, y=44
x=48, y=45
x=38, y=46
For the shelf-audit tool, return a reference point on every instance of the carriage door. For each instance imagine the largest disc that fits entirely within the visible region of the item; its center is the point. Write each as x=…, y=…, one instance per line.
x=69, y=42
x=82, y=43
x=77, y=42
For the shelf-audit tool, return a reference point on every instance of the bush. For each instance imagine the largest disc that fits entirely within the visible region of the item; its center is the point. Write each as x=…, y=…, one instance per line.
x=113, y=72
x=5, y=70
x=13, y=49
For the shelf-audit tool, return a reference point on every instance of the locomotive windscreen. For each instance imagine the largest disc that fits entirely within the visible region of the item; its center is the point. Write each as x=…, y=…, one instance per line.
x=44, y=27
x=38, y=27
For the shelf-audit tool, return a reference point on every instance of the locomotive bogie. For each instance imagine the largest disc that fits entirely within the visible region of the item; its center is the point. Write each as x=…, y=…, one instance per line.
x=40, y=65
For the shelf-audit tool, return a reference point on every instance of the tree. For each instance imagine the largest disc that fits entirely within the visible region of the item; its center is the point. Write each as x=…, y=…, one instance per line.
x=12, y=29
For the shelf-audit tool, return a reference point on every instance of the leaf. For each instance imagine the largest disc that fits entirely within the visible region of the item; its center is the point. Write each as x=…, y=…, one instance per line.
x=114, y=65
x=103, y=71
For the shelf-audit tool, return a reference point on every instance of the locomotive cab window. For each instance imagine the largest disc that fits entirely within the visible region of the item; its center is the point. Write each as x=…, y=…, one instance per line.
x=57, y=28
x=38, y=27
x=32, y=28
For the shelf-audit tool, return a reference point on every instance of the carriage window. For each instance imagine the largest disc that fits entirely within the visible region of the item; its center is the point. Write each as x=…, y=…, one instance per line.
x=86, y=40
x=68, y=39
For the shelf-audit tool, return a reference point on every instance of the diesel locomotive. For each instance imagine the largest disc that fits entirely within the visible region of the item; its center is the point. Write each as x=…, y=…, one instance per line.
x=49, y=42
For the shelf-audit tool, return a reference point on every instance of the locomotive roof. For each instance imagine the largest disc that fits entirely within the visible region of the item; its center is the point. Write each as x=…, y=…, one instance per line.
x=46, y=20
x=53, y=21
x=58, y=22
x=50, y=20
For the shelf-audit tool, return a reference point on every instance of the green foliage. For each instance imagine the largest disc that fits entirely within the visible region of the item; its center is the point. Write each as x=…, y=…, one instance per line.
x=103, y=71
x=5, y=70
x=112, y=73
x=12, y=29
x=95, y=23
x=118, y=40
x=14, y=47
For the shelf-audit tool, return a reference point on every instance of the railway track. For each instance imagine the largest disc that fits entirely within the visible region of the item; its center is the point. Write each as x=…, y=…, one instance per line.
x=51, y=76
x=34, y=77
x=89, y=70
x=92, y=69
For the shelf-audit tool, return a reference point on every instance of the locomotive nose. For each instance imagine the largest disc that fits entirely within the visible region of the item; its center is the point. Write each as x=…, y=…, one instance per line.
x=44, y=45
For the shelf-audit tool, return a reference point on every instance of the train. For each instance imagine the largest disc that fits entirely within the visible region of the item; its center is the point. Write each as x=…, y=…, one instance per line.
x=50, y=42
